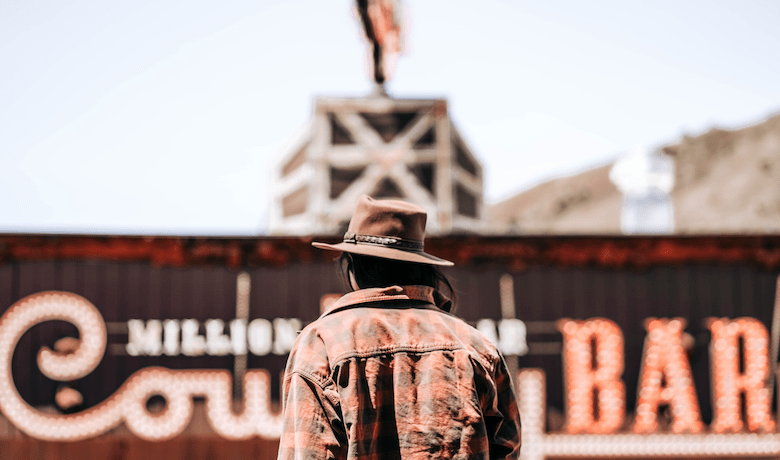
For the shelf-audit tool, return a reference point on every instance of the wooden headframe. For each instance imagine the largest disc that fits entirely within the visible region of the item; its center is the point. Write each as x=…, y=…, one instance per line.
x=385, y=148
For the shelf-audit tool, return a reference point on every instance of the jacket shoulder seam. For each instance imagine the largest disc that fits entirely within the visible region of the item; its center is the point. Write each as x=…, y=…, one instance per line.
x=321, y=382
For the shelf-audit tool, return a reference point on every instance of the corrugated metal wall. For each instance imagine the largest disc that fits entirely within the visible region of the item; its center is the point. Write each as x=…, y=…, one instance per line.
x=124, y=290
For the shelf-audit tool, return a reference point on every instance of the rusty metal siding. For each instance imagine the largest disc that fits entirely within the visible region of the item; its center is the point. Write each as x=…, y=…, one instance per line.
x=476, y=291
x=293, y=292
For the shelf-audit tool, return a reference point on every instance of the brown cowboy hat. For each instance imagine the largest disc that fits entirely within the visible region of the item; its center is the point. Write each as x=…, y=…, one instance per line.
x=389, y=229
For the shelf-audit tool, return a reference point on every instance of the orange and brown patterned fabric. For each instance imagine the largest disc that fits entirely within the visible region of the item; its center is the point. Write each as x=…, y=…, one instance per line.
x=385, y=373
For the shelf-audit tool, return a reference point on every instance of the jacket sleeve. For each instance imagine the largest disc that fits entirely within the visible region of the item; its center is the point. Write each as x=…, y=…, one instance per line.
x=503, y=425
x=312, y=427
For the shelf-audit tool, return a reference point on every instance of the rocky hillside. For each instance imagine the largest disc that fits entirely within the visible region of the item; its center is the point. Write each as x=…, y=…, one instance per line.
x=726, y=182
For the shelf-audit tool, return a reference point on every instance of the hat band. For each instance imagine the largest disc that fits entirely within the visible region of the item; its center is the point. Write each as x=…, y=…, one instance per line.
x=388, y=242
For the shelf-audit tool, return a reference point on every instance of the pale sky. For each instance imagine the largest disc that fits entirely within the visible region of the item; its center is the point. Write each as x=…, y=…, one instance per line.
x=166, y=116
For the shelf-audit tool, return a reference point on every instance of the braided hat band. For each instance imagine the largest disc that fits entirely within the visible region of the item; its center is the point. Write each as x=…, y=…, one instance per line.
x=350, y=237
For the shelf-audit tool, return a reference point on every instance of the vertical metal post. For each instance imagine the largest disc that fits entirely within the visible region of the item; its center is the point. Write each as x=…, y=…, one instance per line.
x=507, y=295
x=775, y=339
x=243, y=288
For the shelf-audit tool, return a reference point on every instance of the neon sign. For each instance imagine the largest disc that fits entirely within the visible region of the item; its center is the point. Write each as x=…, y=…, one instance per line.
x=664, y=360
x=596, y=423
x=128, y=404
x=177, y=387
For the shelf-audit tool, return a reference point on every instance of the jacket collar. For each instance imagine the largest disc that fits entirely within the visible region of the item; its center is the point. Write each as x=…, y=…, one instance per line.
x=420, y=293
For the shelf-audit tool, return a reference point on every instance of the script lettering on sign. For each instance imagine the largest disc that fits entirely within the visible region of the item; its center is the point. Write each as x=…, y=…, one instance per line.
x=128, y=404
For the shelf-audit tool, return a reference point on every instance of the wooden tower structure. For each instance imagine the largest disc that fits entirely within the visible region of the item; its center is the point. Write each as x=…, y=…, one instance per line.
x=407, y=149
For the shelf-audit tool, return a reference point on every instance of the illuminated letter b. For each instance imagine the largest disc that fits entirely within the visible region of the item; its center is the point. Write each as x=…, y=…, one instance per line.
x=592, y=365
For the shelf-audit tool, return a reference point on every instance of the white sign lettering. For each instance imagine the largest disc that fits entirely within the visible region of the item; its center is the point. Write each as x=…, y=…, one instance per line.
x=262, y=337
x=174, y=337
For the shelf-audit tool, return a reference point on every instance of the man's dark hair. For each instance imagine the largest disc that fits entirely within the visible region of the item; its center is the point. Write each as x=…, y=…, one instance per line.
x=374, y=272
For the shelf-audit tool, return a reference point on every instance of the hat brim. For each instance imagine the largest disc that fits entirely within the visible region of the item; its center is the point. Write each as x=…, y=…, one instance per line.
x=373, y=250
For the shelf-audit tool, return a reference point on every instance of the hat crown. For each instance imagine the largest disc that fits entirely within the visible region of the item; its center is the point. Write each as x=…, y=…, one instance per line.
x=388, y=218
x=388, y=229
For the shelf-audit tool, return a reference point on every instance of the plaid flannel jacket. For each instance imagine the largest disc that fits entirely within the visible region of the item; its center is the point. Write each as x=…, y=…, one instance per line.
x=386, y=374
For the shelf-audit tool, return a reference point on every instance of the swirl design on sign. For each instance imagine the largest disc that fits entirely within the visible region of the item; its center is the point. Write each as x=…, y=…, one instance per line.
x=128, y=404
